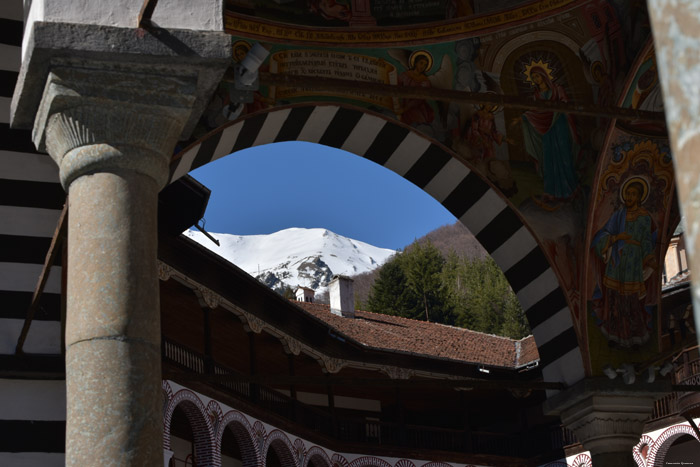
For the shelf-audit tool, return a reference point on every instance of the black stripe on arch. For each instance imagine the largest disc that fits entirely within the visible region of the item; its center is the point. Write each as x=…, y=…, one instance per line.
x=11, y=32
x=28, y=194
x=541, y=311
x=294, y=123
x=15, y=305
x=522, y=272
x=32, y=436
x=499, y=230
x=16, y=140
x=557, y=347
x=469, y=191
x=385, y=143
x=205, y=153
x=427, y=166
x=8, y=79
x=21, y=249
x=342, y=124
x=249, y=132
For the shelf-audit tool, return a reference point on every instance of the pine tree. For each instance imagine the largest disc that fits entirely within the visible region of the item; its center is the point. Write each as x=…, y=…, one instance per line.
x=390, y=294
x=423, y=265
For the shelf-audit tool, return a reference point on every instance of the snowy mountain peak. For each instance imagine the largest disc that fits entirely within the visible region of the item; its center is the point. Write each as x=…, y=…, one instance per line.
x=296, y=256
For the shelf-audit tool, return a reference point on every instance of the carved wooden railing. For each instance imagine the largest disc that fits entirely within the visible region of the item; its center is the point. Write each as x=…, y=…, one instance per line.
x=688, y=373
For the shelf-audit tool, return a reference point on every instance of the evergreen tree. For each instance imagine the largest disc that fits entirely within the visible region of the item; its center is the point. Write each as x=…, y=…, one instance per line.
x=390, y=294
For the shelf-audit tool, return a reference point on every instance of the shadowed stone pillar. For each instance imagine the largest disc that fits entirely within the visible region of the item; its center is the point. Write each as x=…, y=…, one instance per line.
x=108, y=102
x=113, y=152
x=676, y=29
x=607, y=417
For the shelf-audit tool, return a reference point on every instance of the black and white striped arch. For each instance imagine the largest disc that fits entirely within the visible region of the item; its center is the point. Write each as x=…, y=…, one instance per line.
x=32, y=412
x=431, y=167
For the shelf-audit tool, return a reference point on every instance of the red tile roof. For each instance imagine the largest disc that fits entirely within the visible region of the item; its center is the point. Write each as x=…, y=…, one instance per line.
x=393, y=333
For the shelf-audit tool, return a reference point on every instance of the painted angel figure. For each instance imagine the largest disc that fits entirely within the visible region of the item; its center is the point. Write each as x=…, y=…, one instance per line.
x=416, y=111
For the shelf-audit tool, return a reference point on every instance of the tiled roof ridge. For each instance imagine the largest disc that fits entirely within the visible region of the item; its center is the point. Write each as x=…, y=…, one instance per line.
x=403, y=318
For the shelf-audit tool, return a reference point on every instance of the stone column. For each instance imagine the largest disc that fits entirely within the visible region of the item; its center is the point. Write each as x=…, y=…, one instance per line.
x=112, y=135
x=676, y=29
x=607, y=417
x=108, y=101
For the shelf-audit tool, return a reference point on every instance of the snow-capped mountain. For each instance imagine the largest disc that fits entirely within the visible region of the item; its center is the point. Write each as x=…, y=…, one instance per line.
x=296, y=256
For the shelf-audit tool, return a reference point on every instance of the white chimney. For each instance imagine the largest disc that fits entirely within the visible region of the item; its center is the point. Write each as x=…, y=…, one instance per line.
x=342, y=296
x=305, y=294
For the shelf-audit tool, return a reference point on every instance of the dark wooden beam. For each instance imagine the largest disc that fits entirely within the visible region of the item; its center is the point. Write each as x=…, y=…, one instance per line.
x=343, y=86
x=144, y=19
x=54, y=250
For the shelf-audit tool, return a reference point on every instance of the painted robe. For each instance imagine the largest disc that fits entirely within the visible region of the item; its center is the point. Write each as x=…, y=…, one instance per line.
x=619, y=300
x=551, y=139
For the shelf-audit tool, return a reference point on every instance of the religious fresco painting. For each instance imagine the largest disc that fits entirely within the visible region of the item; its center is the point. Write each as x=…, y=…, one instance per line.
x=367, y=12
x=625, y=252
x=543, y=162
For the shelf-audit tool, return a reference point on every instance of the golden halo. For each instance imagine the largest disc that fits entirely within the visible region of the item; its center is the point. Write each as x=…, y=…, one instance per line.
x=643, y=181
x=420, y=53
x=241, y=43
x=537, y=64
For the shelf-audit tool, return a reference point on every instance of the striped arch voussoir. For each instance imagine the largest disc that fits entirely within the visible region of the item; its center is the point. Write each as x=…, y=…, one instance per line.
x=658, y=451
x=317, y=457
x=442, y=174
x=202, y=427
x=279, y=442
x=244, y=436
x=369, y=461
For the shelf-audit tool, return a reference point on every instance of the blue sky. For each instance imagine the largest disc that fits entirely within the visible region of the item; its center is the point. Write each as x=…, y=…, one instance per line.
x=273, y=187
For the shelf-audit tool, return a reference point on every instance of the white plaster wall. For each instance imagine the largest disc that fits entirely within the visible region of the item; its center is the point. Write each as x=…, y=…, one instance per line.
x=181, y=449
x=199, y=15
x=22, y=399
x=32, y=459
x=230, y=462
x=44, y=337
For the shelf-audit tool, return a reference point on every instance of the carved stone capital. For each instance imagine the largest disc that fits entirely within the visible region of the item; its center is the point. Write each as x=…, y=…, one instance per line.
x=98, y=120
x=606, y=416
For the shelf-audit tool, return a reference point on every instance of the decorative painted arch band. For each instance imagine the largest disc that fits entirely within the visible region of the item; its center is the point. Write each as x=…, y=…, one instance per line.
x=657, y=453
x=202, y=428
x=435, y=169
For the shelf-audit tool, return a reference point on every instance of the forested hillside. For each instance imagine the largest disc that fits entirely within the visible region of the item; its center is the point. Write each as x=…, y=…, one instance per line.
x=444, y=277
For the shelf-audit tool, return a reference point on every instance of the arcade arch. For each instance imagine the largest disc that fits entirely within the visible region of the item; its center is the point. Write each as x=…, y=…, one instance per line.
x=440, y=173
x=186, y=414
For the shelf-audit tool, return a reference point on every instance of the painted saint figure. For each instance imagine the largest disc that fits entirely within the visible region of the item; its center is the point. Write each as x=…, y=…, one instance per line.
x=417, y=111
x=625, y=245
x=551, y=137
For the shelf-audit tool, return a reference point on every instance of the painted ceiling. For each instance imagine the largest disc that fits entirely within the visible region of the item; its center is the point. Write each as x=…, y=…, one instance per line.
x=567, y=175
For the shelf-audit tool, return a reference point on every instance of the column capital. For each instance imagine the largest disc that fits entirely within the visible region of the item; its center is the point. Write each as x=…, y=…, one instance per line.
x=97, y=119
x=606, y=416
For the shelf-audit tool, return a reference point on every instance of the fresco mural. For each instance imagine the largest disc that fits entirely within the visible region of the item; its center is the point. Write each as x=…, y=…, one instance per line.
x=366, y=12
x=626, y=253
x=544, y=162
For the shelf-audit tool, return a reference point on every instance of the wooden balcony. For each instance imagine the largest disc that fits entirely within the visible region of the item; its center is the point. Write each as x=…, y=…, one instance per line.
x=688, y=373
x=370, y=433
